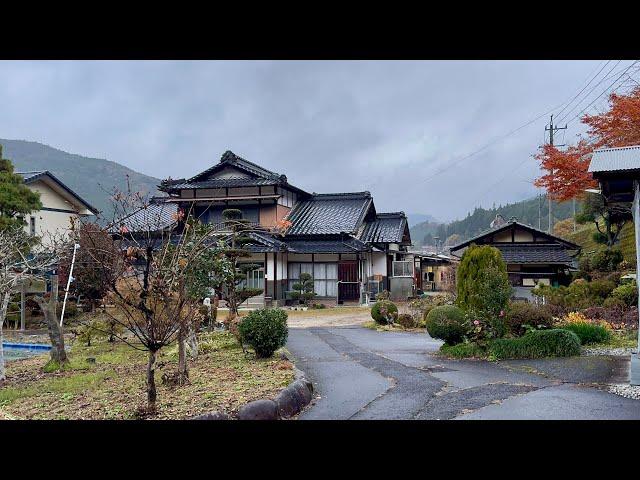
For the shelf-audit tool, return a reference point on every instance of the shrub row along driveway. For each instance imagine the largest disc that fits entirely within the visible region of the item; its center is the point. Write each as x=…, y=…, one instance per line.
x=364, y=374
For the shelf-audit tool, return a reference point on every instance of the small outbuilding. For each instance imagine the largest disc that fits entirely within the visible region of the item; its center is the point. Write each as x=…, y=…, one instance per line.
x=618, y=173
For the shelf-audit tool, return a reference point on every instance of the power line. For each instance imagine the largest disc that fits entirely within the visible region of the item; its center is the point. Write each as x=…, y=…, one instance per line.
x=589, y=92
x=564, y=105
x=605, y=91
x=583, y=88
x=495, y=140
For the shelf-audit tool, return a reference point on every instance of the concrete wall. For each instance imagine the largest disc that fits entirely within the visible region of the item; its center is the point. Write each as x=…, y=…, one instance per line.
x=401, y=288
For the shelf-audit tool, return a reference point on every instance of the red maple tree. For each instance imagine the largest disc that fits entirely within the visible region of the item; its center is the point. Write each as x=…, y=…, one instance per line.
x=566, y=174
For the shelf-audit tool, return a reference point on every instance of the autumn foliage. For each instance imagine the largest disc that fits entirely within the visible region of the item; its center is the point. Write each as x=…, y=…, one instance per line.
x=566, y=174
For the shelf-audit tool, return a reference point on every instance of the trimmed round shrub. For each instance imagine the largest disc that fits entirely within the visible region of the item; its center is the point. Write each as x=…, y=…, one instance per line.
x=379, y=308
x=446, y=322
x=627, y=293
x=521, y=314
x=601, y=289
x=265, y=330
x=407, y=321
x=537, y=344
x=588, y=332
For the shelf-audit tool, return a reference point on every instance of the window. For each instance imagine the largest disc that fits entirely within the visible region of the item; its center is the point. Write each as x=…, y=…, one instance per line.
x=32, y=225
x=403, y=268
x=255, y=279
x=325, y=277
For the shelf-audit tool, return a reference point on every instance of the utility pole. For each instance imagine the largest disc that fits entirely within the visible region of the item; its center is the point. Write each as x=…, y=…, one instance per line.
x=540, y=212
x=551, y=129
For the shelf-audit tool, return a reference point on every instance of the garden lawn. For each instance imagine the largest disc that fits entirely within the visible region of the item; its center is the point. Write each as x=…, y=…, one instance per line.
x=223, y=378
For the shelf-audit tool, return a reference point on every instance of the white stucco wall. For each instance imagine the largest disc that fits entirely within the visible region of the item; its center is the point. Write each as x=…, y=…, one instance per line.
x=379, y=263
x=47, y=221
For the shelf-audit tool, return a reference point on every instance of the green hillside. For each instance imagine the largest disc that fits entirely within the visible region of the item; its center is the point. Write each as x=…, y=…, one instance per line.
x=526, y=211
x=91, y=178
x=627, y=244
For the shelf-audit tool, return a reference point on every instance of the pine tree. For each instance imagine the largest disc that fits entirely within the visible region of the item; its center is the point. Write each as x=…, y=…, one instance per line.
x=16, y=199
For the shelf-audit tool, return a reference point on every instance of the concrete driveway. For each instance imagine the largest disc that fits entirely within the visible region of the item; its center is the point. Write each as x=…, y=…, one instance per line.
x=364, y=374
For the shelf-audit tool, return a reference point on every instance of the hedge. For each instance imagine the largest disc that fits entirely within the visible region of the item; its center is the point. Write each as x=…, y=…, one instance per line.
x=588, y=332
x=537, y=344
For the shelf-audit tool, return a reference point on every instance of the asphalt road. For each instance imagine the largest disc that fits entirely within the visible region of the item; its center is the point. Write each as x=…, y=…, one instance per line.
x=364, y=374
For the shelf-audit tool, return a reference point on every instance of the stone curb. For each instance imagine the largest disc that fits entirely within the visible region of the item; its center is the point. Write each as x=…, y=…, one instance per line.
x=289, y=402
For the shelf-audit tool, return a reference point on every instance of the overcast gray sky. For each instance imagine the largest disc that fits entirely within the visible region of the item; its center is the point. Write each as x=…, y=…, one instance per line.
x=383, y=126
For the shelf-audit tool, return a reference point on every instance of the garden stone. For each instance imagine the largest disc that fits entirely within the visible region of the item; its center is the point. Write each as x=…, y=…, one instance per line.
x=288, y=403
x=303, y=391
x=213, y=416
x=259, y=410
x=91, y=360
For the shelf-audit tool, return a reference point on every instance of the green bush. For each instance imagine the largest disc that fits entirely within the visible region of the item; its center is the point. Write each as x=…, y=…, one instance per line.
x=407, y=321
x=537, y=344
x=520, y=314
x=463, y=350
x=384, y=312
x=446, y=322
x=606, y=260
x=265, y=330
x=627, y=293
x=601, y=289
x=588, y=332
x=70, y=310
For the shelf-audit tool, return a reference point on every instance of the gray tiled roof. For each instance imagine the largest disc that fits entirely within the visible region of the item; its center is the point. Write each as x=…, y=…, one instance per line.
x=615, y=159
x=30, y=177
x=530, y=253
x=250, y=175
x=386, y=228
x=329, y=214
x=228, y=182
x=230, y=158
x=157, y=216
x=264, y=242
x=349, y=245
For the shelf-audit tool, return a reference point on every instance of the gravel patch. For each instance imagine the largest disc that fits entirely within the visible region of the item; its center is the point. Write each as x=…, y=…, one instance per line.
x=617, y=352
x=625, y=390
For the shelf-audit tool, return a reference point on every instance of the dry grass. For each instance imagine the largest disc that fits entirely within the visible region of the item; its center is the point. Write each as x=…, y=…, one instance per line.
x=223, y=378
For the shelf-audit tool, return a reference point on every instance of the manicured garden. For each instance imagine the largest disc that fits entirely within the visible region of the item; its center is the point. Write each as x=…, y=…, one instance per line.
x=106, y=380
x=596, y=312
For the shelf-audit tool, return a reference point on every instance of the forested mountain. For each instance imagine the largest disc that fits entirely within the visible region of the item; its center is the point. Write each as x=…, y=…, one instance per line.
x=416, y=218
x=534, y=212
x=91, y=178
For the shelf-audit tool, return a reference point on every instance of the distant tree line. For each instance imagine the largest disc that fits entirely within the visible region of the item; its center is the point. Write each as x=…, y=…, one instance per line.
x=525, y=212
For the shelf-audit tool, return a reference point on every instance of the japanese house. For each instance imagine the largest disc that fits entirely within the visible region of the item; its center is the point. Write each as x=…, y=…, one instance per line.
x=435, y=272
x=60, y=205
x=532, y=256
x=352, y=251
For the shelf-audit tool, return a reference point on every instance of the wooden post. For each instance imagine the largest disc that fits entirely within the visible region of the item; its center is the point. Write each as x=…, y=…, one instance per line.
x=264, y=280
x=275, y=277
x=635, y=358
x=22, y=312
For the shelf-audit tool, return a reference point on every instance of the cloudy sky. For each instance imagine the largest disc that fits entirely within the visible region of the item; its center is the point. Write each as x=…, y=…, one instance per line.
x=398, y=129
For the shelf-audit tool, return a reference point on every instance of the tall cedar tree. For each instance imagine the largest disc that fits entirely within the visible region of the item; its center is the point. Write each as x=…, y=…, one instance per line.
x=472, y=279
x=16, y=199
